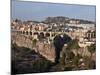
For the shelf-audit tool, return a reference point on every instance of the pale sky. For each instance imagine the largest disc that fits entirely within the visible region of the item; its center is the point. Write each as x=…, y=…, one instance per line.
x=38, y=11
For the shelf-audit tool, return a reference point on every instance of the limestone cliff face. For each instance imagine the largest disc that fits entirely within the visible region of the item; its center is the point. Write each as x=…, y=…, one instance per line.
x=82, y=52
x=46, y=50
x=22, y=41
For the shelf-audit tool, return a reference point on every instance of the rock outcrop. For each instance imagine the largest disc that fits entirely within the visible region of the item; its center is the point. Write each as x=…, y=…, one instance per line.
x=46, y=50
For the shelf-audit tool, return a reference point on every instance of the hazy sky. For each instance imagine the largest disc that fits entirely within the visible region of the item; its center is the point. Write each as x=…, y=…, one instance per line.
x=25, y=10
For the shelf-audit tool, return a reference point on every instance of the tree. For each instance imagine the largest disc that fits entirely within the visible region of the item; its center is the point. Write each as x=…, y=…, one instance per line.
x=73, y=44
x=34, y=41
x=92, y=48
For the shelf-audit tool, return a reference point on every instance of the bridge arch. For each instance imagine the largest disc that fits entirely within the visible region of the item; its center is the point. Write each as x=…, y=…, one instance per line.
x=26, y=32
x=54, y=34
x=42, y=35
x=47, y=34
x=30, y=32
x=59, y=41
x=23, y=32
x=36, y=33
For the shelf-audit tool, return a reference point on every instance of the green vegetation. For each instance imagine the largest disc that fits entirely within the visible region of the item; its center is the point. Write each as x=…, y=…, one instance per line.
x=92, y=62
x=62, y=59
x=13, y=46
x=41, y=65
x=34, y=41
x=92, y=48
x=73, y=44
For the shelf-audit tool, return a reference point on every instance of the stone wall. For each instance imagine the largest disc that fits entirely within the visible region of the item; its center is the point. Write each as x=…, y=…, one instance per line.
x=22, y=41
x=46, y=50
x=82, y=52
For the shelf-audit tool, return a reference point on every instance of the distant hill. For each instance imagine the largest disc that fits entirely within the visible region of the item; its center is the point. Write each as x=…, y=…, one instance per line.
x=61, y=19
x=58, y=19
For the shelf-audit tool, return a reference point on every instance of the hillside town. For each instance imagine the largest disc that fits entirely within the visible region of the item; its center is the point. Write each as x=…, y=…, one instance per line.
x=84, y=32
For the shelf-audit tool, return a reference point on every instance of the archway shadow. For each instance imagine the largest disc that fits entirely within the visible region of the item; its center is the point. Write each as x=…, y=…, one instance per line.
x=59, y=42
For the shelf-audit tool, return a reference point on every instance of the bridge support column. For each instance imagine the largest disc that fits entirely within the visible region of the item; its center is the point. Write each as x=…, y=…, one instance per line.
x=50, y=35
x=90, y=35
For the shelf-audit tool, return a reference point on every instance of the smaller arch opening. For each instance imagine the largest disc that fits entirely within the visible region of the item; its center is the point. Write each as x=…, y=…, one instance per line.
x=26, y=32
x=36, y=33
x=30, y=33
x=47, y=34
x=42, y=35
x=23, y=32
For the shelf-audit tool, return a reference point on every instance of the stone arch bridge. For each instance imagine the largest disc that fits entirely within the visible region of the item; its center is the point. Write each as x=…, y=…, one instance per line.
x=51, y=35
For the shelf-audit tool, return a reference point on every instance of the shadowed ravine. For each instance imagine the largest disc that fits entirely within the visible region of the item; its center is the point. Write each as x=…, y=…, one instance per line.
x=59, y=42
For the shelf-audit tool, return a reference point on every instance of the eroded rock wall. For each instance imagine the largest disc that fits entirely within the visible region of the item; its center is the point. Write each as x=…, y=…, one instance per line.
x=46, y=50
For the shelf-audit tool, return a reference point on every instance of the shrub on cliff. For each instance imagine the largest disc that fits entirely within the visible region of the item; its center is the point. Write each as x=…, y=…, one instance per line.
x=73, y=44
x=92, y=48
x=41, y=65
x=34, y=41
